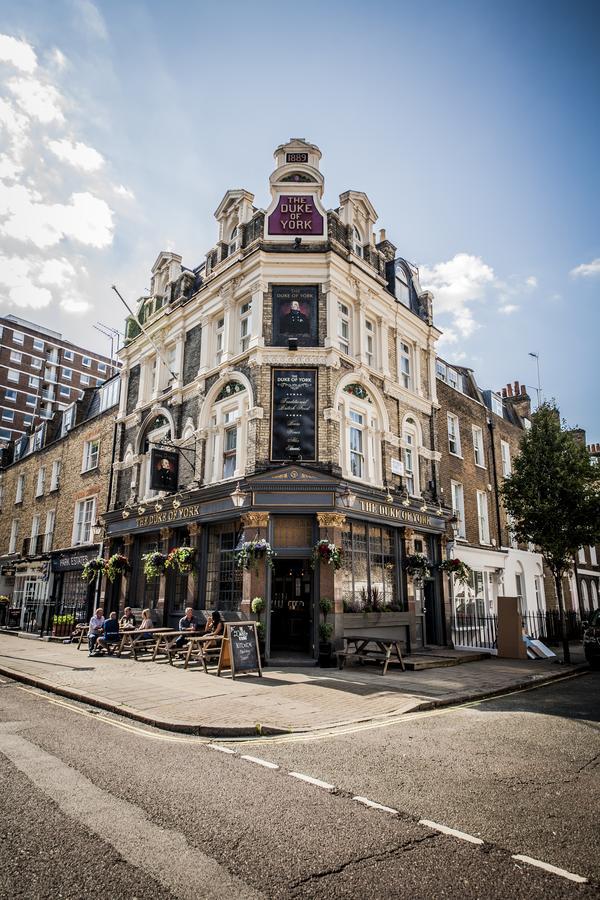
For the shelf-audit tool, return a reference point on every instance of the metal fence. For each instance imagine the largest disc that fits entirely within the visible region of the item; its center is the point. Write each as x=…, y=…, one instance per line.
x=546, y=626
x=36, y=617
x=41, y=618
x=474, y=630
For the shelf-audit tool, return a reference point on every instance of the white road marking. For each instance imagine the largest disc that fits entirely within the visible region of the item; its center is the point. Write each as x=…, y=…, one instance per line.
x=159, y=852
x=221, y=749
x=373, y=805
x=260, y=762
x=315, y=781
x=549, y=868
x=461, y=835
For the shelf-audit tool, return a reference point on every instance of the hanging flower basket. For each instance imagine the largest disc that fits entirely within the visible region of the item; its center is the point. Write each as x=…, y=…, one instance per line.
x=461, y=571
x=327, y=552
x=417, y=565
x=117, y=565
x=251, y=552
x=93, y=568
x=181, y=559
x=154, y=564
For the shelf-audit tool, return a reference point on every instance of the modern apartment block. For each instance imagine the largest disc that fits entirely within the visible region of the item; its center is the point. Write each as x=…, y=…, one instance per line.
x=40, y=373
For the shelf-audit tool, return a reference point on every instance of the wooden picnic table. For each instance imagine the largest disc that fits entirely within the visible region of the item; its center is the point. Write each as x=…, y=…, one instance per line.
x=198, y=645
x=133, y=639
x=165, y=642
x=371, y=647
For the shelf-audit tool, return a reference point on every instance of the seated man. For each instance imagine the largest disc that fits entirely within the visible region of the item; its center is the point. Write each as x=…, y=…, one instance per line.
x=96, y=627
x=127, y=620
x=110, y=638
x=188, y=622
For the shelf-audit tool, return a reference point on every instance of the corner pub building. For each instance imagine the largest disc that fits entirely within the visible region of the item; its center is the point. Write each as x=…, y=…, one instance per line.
x=284, y=389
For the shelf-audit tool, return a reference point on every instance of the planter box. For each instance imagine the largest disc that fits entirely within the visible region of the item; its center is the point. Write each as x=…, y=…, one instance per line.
x=63, y=630
x=386, y=624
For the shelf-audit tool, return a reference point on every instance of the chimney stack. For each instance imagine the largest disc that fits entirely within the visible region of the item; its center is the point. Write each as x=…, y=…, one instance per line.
x=381, y=235
x=509, y=390
x=519, y=399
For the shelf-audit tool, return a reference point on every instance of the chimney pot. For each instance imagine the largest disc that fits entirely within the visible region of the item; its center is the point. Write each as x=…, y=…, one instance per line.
x=381, y=235
x=509, y=391
x=523, y=390
x=517, y=389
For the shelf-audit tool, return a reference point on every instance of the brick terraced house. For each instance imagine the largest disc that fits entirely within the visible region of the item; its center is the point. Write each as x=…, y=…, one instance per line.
x=283, y=389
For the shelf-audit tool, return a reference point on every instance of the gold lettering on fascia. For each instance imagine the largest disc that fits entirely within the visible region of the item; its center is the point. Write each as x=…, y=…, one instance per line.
x=394, y=512
x=170, y=515
x=295, y=209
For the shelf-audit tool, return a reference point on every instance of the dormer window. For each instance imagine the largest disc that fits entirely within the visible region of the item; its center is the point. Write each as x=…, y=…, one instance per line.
x=358, y=244
x=234, y=240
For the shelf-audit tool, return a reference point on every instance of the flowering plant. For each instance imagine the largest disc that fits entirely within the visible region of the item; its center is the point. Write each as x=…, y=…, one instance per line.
x=154, y=564
x=67, y=619
x=4, y=599
x=417, y=565
x=327, y=552
x=93, y=568
x=180, y=559
x=117, y=565
x=461, y=571
x=251, y=551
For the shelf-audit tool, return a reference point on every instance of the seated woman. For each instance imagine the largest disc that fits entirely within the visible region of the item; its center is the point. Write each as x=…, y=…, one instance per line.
x=214, y=626
x=146, y=624
x=127, y=620
x=110, y=636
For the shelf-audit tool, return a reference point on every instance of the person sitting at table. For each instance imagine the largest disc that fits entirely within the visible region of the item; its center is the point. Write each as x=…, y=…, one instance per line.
x=146, y=624
x=214, y=626
x=127, y=620
x=95, y=628
x=188, y=622
x=110, y=638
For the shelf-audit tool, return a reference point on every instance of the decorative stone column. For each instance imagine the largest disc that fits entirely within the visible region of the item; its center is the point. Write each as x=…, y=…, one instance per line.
x=195, y=533
x=330, y=581
x=255, y=578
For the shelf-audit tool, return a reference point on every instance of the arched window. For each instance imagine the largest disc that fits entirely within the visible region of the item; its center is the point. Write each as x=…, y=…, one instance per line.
x=227, y=434
x=158, y=429
x=360, y=450
x=358, y=243
x=410, y=456
x=234, y=239
x=585, y=599
x=594, y=595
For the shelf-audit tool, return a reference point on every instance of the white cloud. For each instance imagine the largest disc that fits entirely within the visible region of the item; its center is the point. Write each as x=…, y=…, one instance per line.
x=92, y=18
x=449, y=336
x=75, y=304
x=18, y=283
x=457, y=284
x=77, y=154
x=58, y=59
x=587, y=270
x=17, y=53
x=125, y=192
x=38, y=100
x=85, y=218
x=57, y=272
x=16, y=125
x=508, y=309
x=9, y=168
x=531, y=281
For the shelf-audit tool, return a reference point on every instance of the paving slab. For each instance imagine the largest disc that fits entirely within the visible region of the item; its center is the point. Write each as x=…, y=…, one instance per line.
x=284, y=700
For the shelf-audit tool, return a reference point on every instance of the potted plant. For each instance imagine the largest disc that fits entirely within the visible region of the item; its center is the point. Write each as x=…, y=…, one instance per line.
x=62, y=625
x=249, y=554
x=181, y=559
x=257, y=606
x=154, y=564
x=417, y=565
x=327, y=552
x=325, y=633
x=461, y=571
x=93, y=568
x=117, y=565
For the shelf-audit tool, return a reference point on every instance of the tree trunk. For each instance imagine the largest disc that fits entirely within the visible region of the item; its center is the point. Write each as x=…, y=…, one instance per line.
x=562, y=619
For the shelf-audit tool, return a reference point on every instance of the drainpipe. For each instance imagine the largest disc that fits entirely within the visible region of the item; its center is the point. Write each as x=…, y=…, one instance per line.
x=490, y=425
x=111, y=476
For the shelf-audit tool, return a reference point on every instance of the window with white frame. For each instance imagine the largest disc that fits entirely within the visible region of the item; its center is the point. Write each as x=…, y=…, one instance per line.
x=91, y=453
x=506, y=463
x=358, y=242
x=245, y=313
x=410, y=457
x=360, y=447
x=27, y=420
x=539, y=593
x=18, y=337
x=67, y=374
x=5, y=434
x=478, y=451
x=38, y=437
x=473, y=600
x=38, y=344
x=35, y=530
x=13, y=375
x=65, y=391
x=86, y=361
x=458, y=508
x=234, y=240
x=68, y=354
x=343, y=328
x=593, y=557
x=14, y=534
x=369, y=342
x=41, y=479
x=228, y=427
x=68, y=419
x=101, y=367
x=55, y=477
x=10, y=395
x=49, y=530
x=34, y=381
x=36, y=363
x=219, y=340
x=496, y=404
x=581, y=555
x=8, y=415
x=109, y=394
x=520, y=590
x=453, y=435
x=405, y=366
x=16, y=356
x=31, y=400
x=594, y=592
x=84, y=379
x=483, y=517
x=85, y=515
x=357, y=454
x=20, y=489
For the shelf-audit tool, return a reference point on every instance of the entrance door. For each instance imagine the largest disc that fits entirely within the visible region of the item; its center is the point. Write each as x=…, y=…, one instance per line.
x=291, y=606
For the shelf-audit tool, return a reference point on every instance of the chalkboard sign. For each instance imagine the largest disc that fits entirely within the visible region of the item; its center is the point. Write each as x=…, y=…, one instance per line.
x=293, y=422
x=239, y=649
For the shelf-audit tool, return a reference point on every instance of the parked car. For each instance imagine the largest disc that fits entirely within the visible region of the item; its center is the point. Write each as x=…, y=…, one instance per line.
x=591, y=640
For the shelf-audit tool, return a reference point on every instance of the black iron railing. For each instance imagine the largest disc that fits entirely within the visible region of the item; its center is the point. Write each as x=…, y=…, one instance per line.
x=546, y=626
x=36, y=617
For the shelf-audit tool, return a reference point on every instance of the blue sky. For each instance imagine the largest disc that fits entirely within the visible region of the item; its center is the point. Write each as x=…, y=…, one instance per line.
x=472, y=126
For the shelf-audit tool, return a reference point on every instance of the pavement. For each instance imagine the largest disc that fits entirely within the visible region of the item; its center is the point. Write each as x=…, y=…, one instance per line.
x=290, y=700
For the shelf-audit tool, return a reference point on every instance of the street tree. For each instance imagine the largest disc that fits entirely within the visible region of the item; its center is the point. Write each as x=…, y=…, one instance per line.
x=553, y=497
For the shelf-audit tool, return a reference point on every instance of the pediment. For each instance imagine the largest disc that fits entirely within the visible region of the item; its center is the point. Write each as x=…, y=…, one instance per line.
x=291, y=475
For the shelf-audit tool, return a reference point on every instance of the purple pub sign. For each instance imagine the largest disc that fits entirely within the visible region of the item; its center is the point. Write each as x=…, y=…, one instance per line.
x=295, y=214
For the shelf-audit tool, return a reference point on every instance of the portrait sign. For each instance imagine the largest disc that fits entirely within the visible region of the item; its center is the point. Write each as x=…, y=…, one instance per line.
x=296, y=215
x=295, y=315
x=293, y=418
x=164, y=469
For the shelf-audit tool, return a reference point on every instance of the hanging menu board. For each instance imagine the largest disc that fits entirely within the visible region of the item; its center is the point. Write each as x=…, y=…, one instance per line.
x=239, y=649
x=293, y=417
